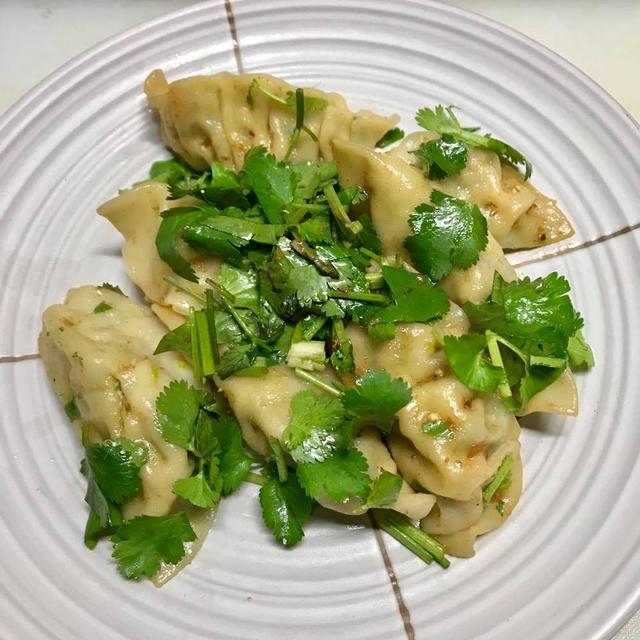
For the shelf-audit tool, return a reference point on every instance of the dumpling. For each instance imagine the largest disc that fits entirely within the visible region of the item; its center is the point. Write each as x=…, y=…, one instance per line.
x=414, y=353
x=104, y=362
x=415, y=505
x=206, y=118
x=518, y=215
x=483, y=433
x=457, y=524
x=136, y=214
x=395, y=189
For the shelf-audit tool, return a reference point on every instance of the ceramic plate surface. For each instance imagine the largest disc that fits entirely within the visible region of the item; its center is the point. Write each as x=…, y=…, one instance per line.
x=565, y=566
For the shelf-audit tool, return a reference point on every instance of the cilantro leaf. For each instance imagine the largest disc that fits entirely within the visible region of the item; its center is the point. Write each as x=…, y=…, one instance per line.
x=141, y=544
x=112, y=469
x=234, y=463
x=443, y=121
x=466, y=357
x=312, y=177
x=197, y=490
x=376, y=398
x=451, y=234
x=339, y=477
x=415, y=299
x=177, y=408
x=169, y=171
x=341, y=348
x=273, y=182
x=71, y=409
x=310, y=287
x=178, y=339
x=384, y=491
x=236, y=358
x=580, y=353
x=391, y=136
x=316, y=428
x=442, y=157
x=98, y=527
x=537, y=315
x=170, y=231
x=285, y=509
x=111, y=287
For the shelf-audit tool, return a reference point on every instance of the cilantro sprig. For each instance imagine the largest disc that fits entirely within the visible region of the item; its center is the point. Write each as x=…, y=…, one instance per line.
x=443, y=120
x=448, y=234
x=523, y=337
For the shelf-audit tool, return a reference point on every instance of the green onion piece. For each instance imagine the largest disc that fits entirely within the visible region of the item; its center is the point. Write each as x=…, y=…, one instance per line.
x=501, y=475
x=211, y=323
x=195, y=346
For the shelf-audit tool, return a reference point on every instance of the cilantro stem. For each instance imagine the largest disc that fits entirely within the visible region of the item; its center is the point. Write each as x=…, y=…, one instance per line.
x=544, y=361
x=348, y=226
x=256, y=86
x=211, y=322
x=278, y=456
x=414, y=539
x=362, y=296
x=305, y=375
x=224, y=294
x=174, y=282
x=496, y=359
x=195, y=346
x=375, y=279
x=205, y=350
x=304, y=250
x=255, y=478
x=299, y=108
x=501, y=474
x=370, y=254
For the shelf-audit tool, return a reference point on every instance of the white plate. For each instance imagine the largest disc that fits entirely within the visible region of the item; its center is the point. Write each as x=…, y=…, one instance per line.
x=565, y=566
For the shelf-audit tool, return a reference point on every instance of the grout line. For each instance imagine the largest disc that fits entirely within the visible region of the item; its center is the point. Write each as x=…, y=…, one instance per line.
x=29, y=356
x=393, y=579
x=584, y=245
x=233, y=32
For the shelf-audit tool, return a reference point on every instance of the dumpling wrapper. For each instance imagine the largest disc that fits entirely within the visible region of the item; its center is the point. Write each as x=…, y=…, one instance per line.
x=518, y=215
x=207, y=118
x=136, y=215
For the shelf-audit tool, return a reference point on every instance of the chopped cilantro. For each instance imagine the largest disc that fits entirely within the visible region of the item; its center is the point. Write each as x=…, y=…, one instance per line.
x=71, y=409
x=376, y=398
x=102, y=307
x=317, y=428
x=273, y=182
x=339, y=477
x=580, y=353
x=466, y=355
x=443, y=157
x=285, y=509
x=443, y=121
x=438, y=429
x=384, y=490
x=450, y=234
x=140, y=545
x=415, y=299
x=391, y=136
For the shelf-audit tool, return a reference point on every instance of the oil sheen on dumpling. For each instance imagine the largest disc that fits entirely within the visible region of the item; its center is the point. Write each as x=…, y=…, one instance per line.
x=104, y=362
x=136, y=214
x=519, y=216
x=206, y=118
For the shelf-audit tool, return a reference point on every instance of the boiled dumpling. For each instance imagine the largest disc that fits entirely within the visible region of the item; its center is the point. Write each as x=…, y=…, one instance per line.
x=207, y=118
x=518, y=215
x=136, y=214
x=104, y=362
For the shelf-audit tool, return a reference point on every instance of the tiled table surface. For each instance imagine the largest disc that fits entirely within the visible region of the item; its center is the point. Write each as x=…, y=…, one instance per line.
x=600, y=37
